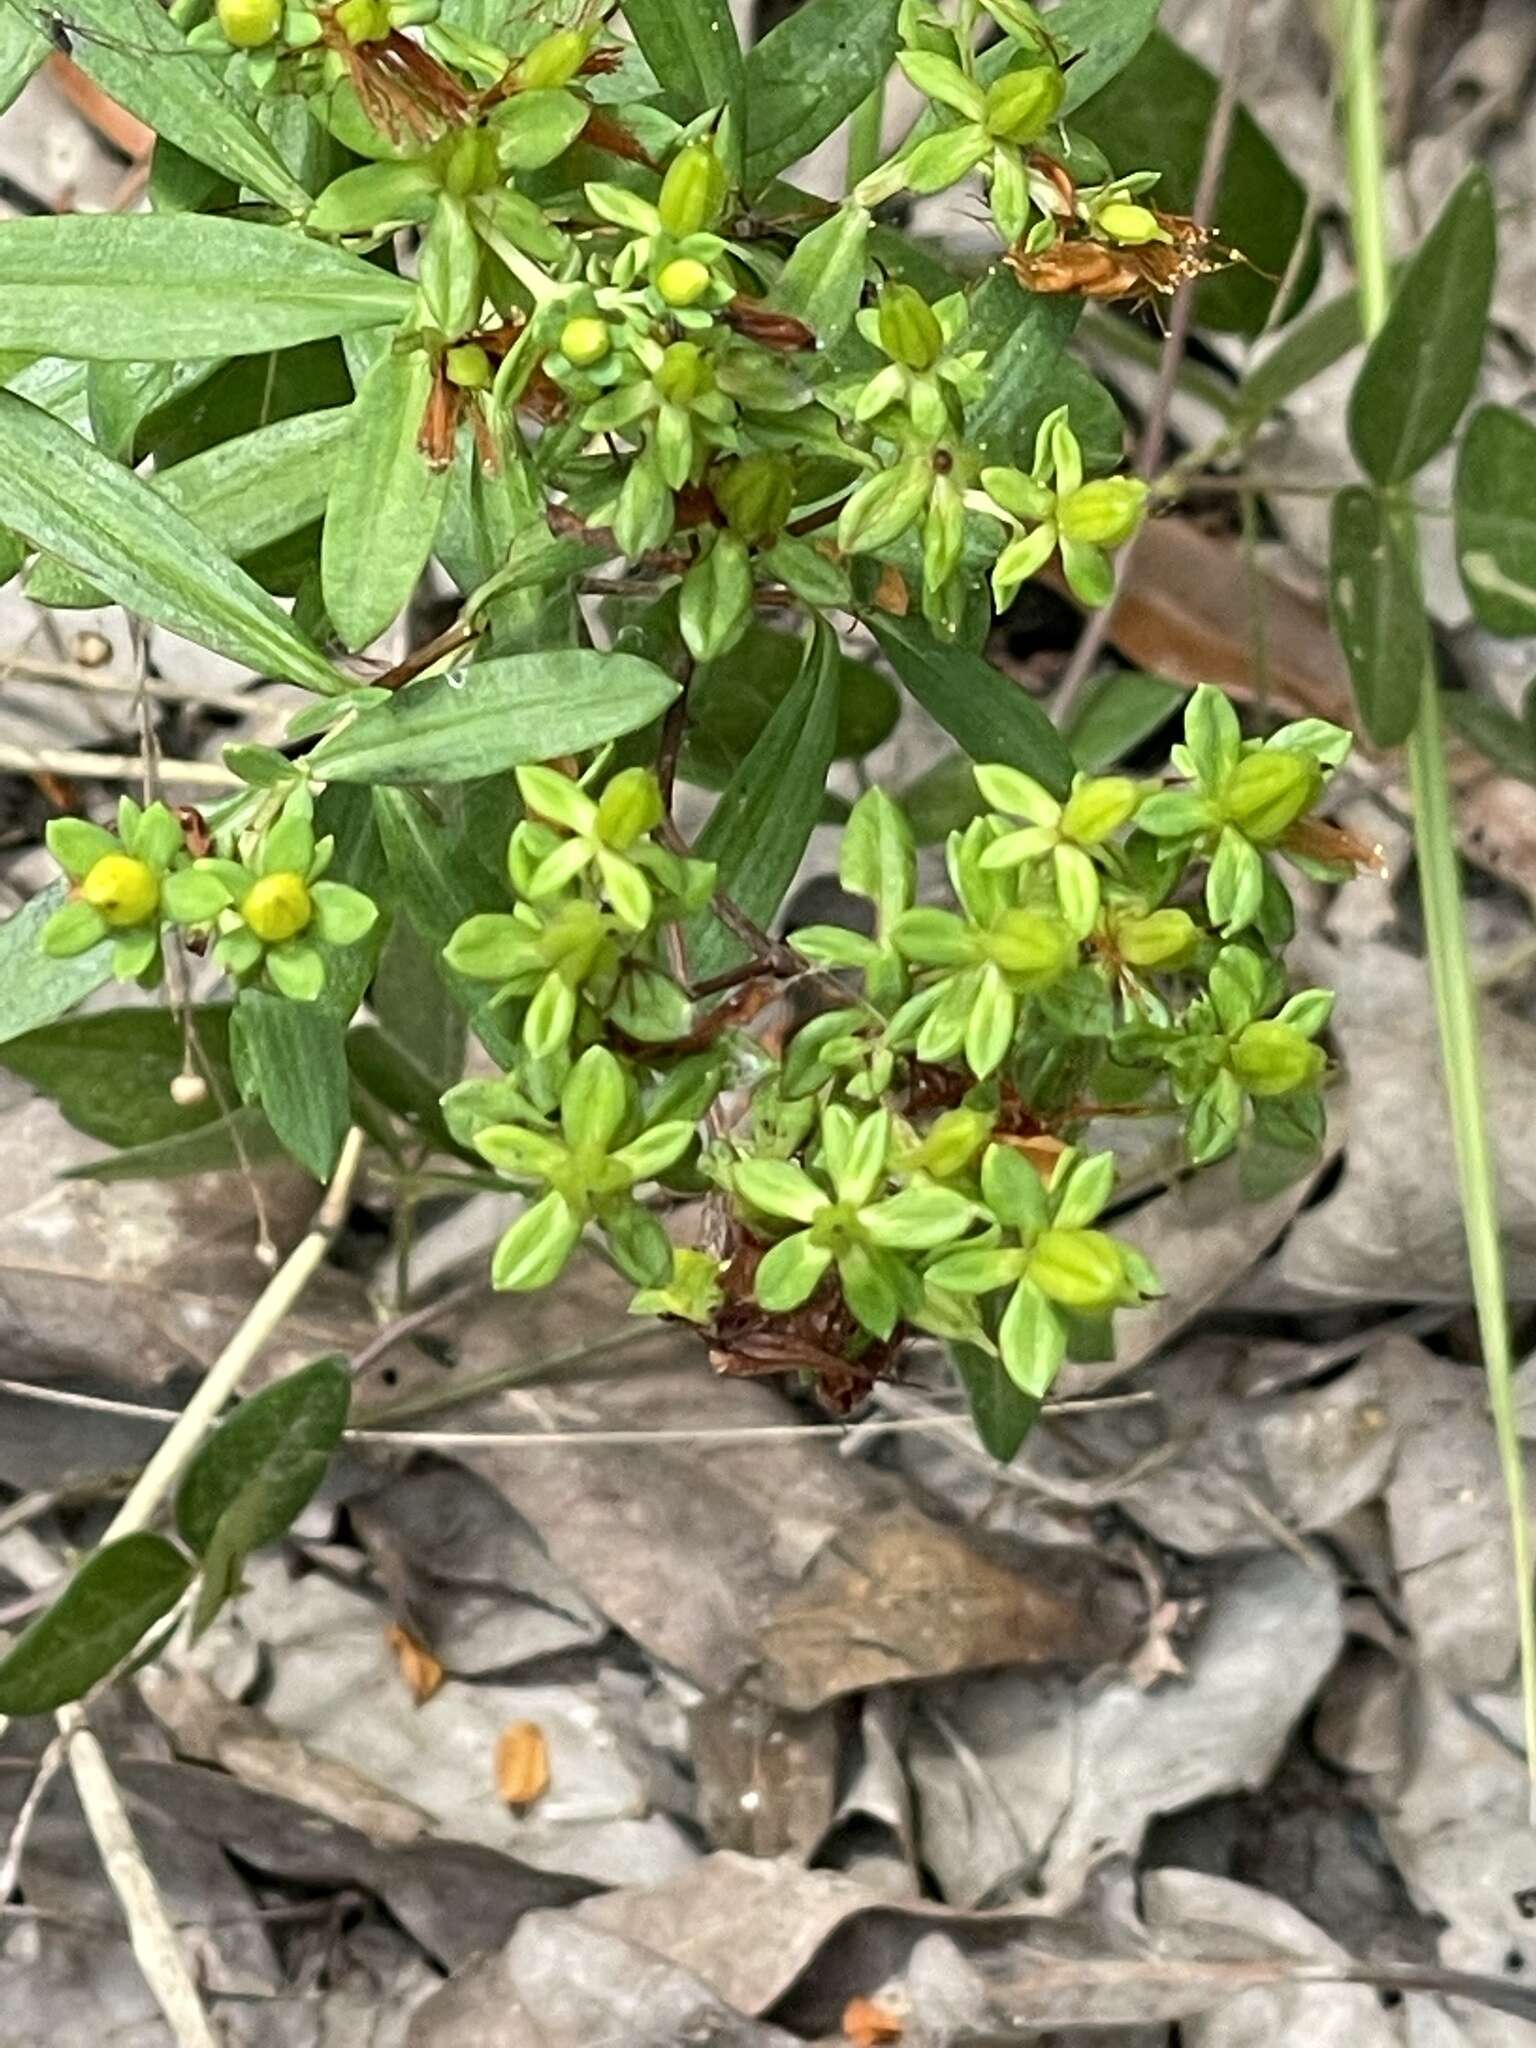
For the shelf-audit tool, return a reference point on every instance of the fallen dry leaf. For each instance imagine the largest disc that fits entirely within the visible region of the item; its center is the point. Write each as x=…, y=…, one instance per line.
x=522, y=1763
x=418, y=1667
x=867, y=2024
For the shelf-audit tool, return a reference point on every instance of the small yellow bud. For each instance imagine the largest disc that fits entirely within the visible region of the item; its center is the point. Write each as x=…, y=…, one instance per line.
x=363, y=21
x=278, y=908
x=1098, y=807
x=1268, y=791
x=1130, y=225
x=1272, y=1058
x=249, y=23
x=468, y=366
x=122, y=890
x=683, y=281
x=584, y=341
x=1081, y=1269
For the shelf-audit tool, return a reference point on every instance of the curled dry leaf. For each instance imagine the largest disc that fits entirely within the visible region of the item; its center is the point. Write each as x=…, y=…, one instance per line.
x=418, y=1667
x=522, y=1763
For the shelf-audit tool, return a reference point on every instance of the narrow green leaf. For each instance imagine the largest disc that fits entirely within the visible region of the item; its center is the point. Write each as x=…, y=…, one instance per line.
x=107, y=523
x=185, y=99
x=23, y=49
x=278, y=1441
x=243, y=494
x=731, y=702
x=1115, y=714
x=497, y=714
x=991, y=717
x=171, y=287
x=34, y=989
x=1509, y=742
x=111, y=1075
x=1421, y=370
x=1378, y=615
x=291, y=1059
x=1309, y=346
x=807, y=75
x=1156, y=114
x=1002, y=1412
x=692, y=47
x=114, y=1599
x=1101, y=36
x=1024, y=334
x=1496, y=520
x=243, y=1138
x=410, y=1003
x=759, y=830
x=385, y=505
x=823, y=281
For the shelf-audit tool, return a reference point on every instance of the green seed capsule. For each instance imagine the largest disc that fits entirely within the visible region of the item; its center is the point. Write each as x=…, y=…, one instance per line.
x=468, y=367
x=122, y=890
x=1130, y=225
x=683, y=281
x=278, y=907
x=555, y=61
x=1105, y=513
x=629, y=807
x=469, y=164
x=363, y=21
x=1268, y=791
x=909, y=330
x=1099, y=806
x=1079, y=1268
x=1161, y=940
x=693, y=191
x=1272, y=1058
x=249, y=23
x=1021, y=105
x=584, y=341
x=684, y=374
x=756, y=495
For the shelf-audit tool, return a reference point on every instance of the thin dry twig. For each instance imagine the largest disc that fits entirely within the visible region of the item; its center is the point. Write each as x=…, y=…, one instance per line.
x=114, y=767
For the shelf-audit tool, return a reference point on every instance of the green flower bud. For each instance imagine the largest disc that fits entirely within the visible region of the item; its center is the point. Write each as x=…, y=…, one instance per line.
x=1025, y=943
x=909, y=329
x=756, y=495
x=1130, y=225
x=629, y=807
x=1019, y=494
x=249, y=23
x=1078, y=1268
x=555, y=61
x=1021, y=105
x=584, y=341
x=278, y=907
x=953, y=1142
x=1161, y=940
x=122, y=890
x=1103, y=514
x=468, y=367
x=1268, y=791
x=469, y=163
x=1098, y=807
x=1272, y=1058
x=683, y=281
x=363, y=21
x=693, y=191
x=684, y=375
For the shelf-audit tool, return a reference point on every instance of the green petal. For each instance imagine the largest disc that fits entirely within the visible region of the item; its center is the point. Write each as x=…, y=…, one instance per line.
x=73, y=928
x=342, y=914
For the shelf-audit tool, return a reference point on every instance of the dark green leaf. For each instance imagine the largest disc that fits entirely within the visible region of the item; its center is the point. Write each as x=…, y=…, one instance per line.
x=731, y=702
x=760, y=828
x=1496, y=520
x=1156, y=116
x=35, y=989
x=1421, y=370
x=1310, y=346
x=410, y=1002
x=1115, y=714
x=1002, y=1412
x=278, y=1441
x=991, y=717
x=1024, y=334
x=807, y=75
x=394, y=1078
x=114, y=1599
x=241, y=1139
x=1378, y=615
x=385, y=503
x=111, y=1075
x=943, y=799
x=23, y=49
x=496, y=714
x=1507, y=741
x=1103, y=36
x=692, y=47
x=171, y=287
x=291, y=1059
x=108, y=524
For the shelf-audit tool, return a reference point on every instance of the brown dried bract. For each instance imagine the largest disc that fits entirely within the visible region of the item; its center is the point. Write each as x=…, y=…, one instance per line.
x=766, y=326
x=194, y=829
x=1080, y=266
x=749, y=1342
x=400, y=86
x=422, y=1673
x=1314, y=840
x=604, y=132
x=522, y=1763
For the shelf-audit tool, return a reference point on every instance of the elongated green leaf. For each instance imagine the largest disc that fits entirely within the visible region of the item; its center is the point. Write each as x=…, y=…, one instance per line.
x=1420, y=371
x=1507, y=741
x=35, y=989
x=108, y=524
x=111, y=1075
x=385, y=505
x=1156, y=114
x=1115, y=714
x=807, y=75
x=823, y=281
x=23, y=48
x=279, y=1441
x=1024, y=334
x=291, y=1059
x=1002, y=1412
x=183, y=98
x=1496, y=519
x=411, y=1005
x=1101, y=36
x=731, y=702
x=438, y=890
x=692, y=47
x=759, y=830
x=1309, y=346
x=496, y=714
x=153, y=287
x=1378, y=615
x=114, y=1599
x=243, y=494
x=243, y=1138
x=991, y=717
